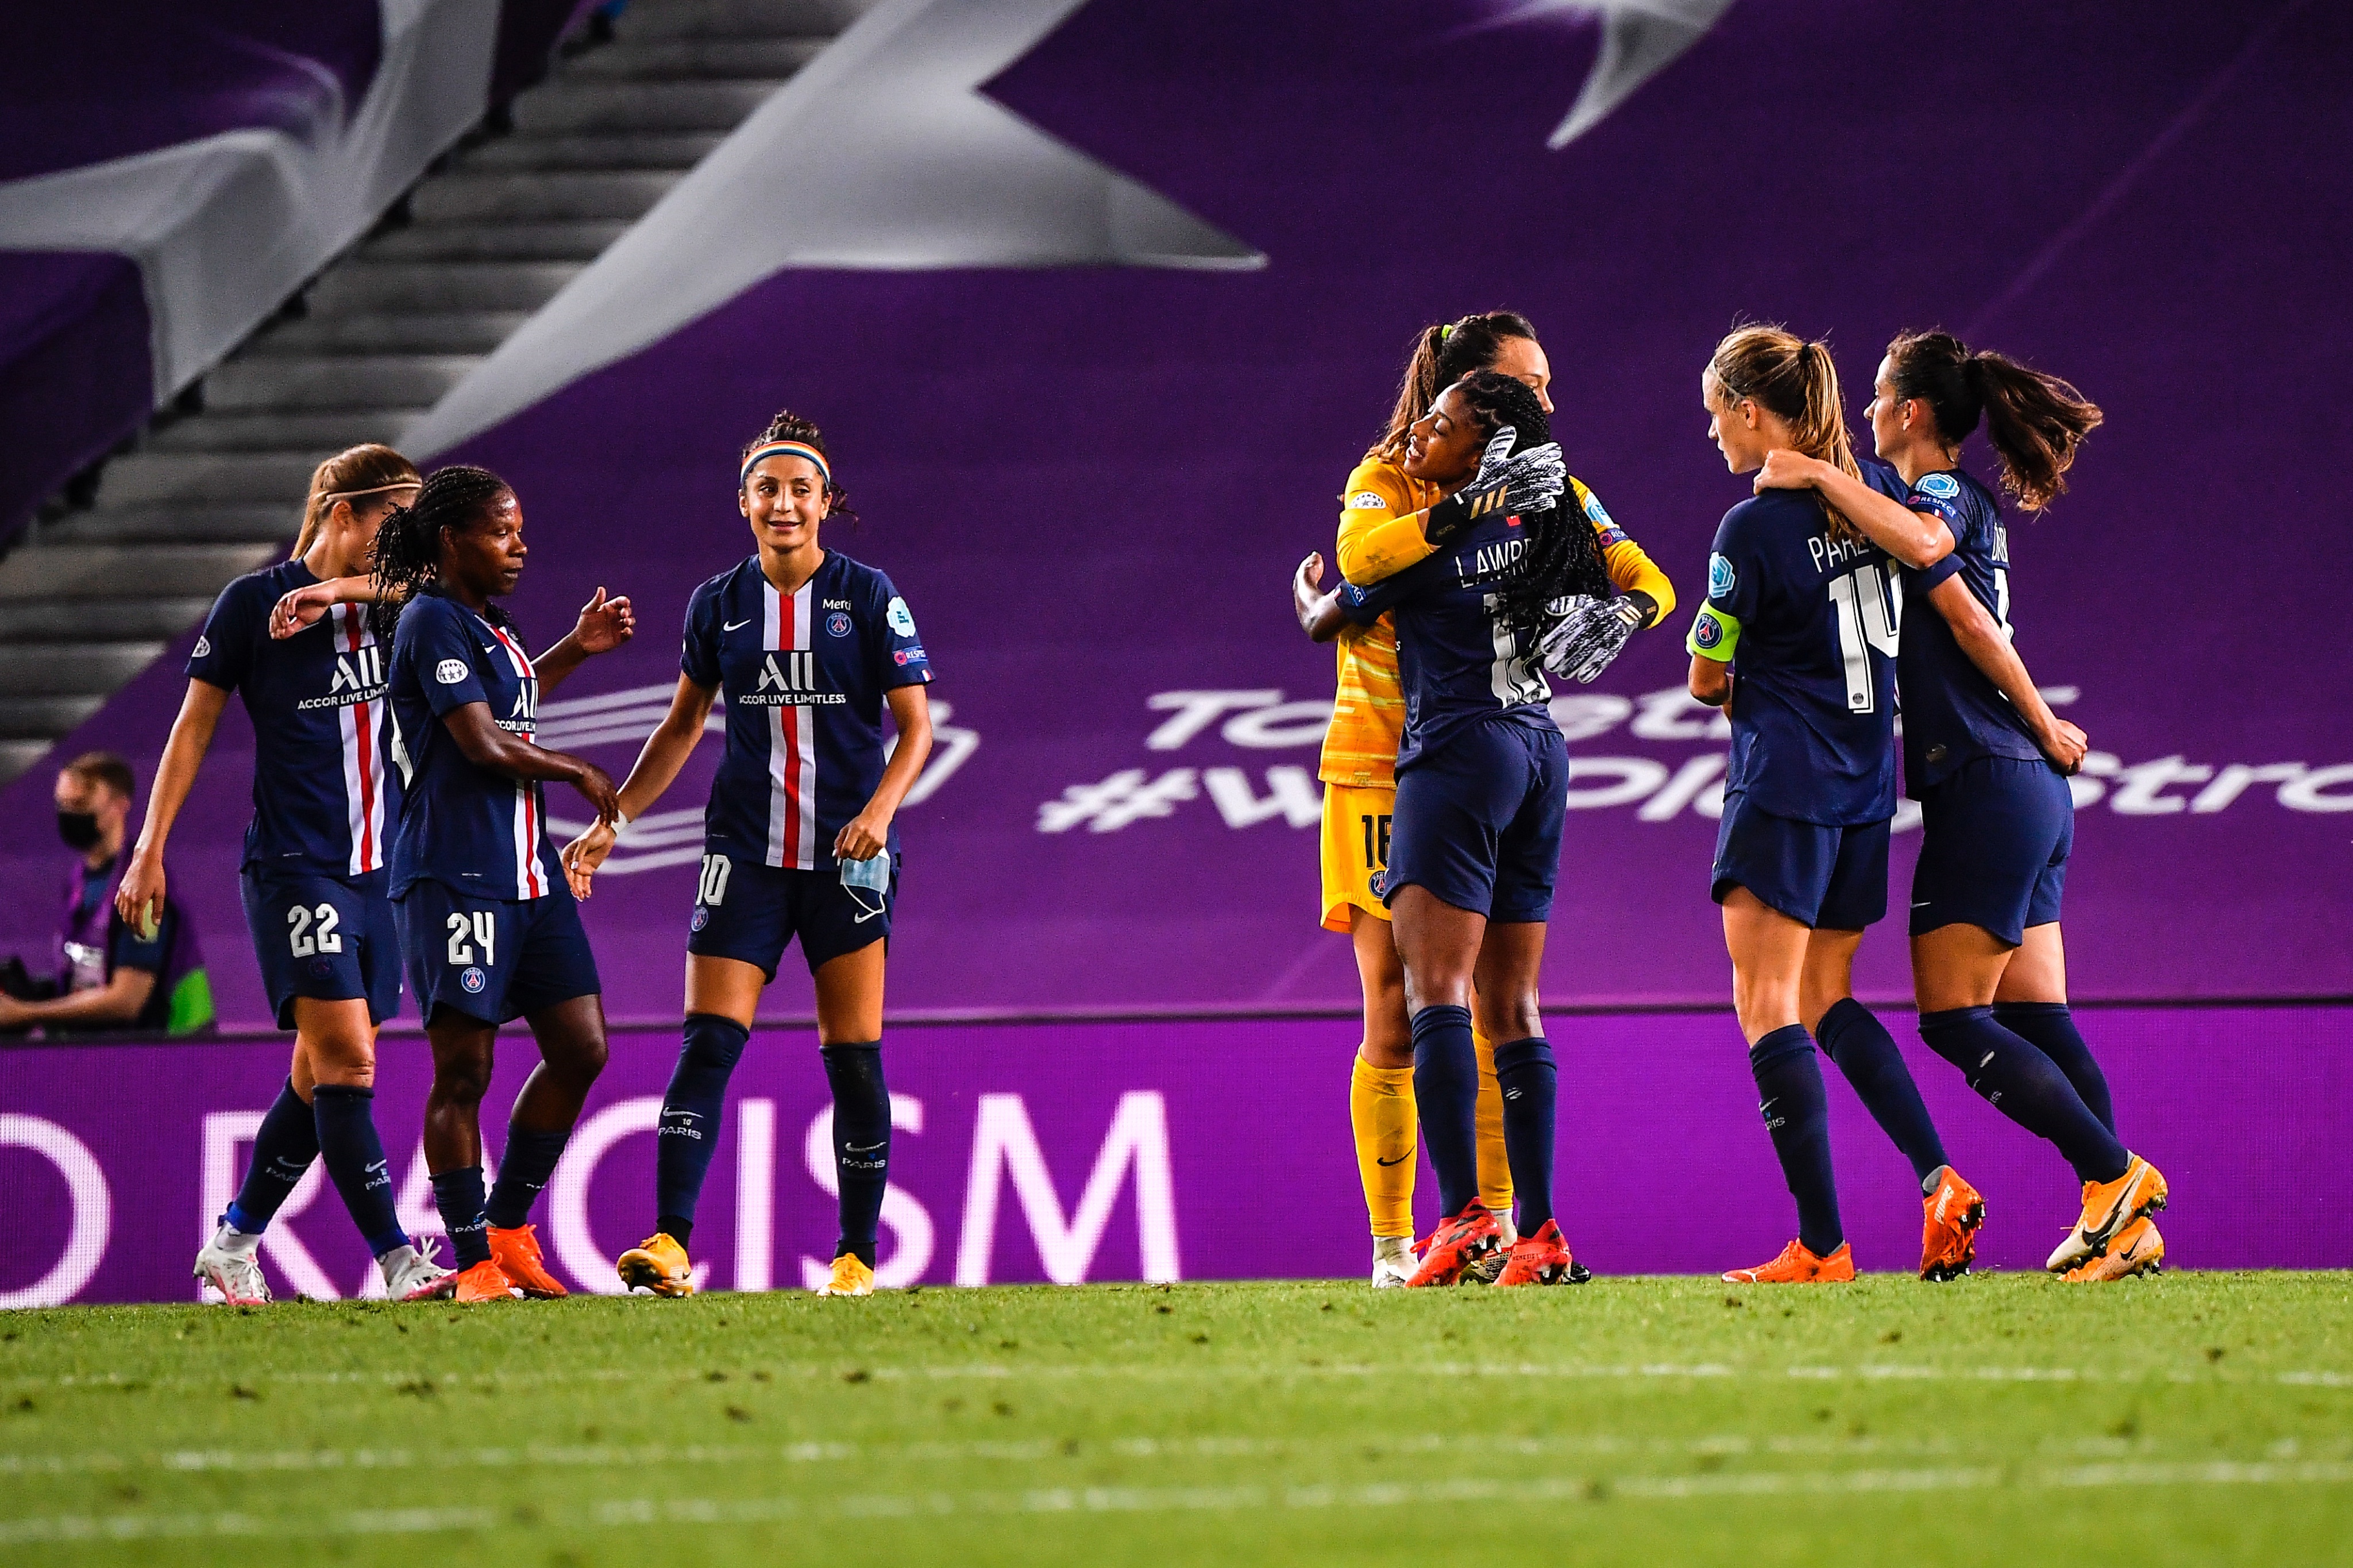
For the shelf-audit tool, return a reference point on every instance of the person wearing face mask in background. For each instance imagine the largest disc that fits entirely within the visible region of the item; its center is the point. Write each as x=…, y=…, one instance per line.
x=110, y=977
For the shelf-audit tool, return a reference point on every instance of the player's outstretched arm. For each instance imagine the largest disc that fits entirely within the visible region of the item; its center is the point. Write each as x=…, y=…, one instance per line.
x=140, y=898
x=301, y=607
x=869, y=833
x=656, y=769
x=604, y=625
x=1916, y=539
x=1980, y=637
x=486, y=746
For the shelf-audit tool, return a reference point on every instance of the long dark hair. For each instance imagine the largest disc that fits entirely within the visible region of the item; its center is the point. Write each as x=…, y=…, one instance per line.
x=788, y=426
x=406, y=555
x=2036, y=422
x=1562, y=556
x=1444, y=353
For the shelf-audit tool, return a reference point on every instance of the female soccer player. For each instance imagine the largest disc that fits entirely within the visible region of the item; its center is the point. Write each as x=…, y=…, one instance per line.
x=1797, y=637
x=313, y=875
x=1988, y=761
x=490, y=930
x=809, y=645
x=1481, y=798
x=1381, y=525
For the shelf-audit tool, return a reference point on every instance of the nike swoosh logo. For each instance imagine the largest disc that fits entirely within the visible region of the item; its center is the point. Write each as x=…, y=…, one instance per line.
x=862, y=920
x=1400, y=1160
x=736, y=625
x=864, y=1148
x=1923, y=904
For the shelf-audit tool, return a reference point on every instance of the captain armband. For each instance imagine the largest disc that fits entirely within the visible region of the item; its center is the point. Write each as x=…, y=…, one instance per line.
x=1714, y=635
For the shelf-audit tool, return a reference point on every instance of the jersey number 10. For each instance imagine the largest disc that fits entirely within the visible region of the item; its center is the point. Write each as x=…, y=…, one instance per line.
x=1870, y=613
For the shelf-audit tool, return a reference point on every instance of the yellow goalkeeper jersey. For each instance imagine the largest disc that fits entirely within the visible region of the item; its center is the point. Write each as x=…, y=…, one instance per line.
x=1380, y=536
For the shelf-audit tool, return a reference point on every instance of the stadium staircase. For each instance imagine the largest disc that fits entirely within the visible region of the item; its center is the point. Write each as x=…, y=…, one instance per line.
x=95, y=595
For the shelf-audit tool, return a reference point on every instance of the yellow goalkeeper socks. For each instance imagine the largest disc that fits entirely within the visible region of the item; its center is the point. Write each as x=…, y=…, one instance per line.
x=1494, y=1170
x=1381, y=1113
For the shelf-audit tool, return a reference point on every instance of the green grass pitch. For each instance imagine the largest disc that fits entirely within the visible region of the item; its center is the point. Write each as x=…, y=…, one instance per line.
x=2197, y=1419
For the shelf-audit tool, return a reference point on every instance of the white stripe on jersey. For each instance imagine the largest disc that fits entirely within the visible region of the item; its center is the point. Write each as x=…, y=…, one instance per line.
x=530, y=876
x=785, y=627
x=363, y=742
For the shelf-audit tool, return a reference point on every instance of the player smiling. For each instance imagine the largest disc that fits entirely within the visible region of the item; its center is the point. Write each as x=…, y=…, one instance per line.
x=1798, y=638
x=1482, y=781
x=809, y=647
x=1988, y=761
x=1383, y=529
x=489, y=928
x=313, y=874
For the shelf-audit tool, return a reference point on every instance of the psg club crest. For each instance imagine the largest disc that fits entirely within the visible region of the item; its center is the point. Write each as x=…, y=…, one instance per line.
x=1709, y=632
x=702, y=918
x=473, y=980
x=837, y=624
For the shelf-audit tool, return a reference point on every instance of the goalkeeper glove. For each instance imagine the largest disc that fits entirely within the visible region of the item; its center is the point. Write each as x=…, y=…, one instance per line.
x=1528, y=482
x=1588, y=634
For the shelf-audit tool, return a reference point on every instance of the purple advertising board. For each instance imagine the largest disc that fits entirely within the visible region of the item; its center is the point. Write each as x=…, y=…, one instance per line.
x=1165, y=1151
x=1092, y=486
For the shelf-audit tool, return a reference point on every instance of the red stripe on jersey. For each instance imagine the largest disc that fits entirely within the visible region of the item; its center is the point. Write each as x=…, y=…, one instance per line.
x=370, y=852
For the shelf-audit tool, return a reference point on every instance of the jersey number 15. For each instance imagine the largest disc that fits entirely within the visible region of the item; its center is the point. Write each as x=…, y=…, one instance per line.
x=1870, y=613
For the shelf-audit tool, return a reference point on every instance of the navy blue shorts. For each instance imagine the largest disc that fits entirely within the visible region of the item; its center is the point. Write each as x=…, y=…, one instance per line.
x=1478, y=822
x=493, y=959
x=327, y=938
x=1998, y=833
x=747, y=910
x=1831, y=878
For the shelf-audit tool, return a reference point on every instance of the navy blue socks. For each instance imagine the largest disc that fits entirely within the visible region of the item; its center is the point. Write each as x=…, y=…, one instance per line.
x=458, y=1195
x=283, y=1148
x=1446, y=1090
x=1530, y=1082
x=2017, y=1080
x=524, y=1169
x=2050, y=1027
x=344, y=1117
x=861, y=1142
x=691, y=1110
x=1865, y=1052
x=1797, y=1113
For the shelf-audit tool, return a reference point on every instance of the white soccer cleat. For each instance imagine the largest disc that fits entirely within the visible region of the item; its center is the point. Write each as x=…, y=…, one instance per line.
x=410, y=1274
x=1393, y=1261
x=228, y=1266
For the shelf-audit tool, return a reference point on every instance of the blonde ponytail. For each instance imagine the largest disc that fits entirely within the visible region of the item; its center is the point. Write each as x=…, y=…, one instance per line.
x=354, y=472
x=1796, y=379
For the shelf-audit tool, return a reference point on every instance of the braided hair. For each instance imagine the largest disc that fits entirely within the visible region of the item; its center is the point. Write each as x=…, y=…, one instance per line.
x=1563, y=557
x=788, y=426
x=406, y=555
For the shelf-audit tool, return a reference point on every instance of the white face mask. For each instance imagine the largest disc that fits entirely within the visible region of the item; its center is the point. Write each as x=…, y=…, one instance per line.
x=869, y=882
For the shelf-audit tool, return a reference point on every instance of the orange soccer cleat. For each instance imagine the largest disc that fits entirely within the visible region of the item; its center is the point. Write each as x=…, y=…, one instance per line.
x=485, y=1282
x=1459, y=1243
x=1795, y=1265
x=658, y=1264
x=1949, y=1231
x=2109, y=1209
x=2137, y=1250
x=1541, y=1259
x=516, y=1252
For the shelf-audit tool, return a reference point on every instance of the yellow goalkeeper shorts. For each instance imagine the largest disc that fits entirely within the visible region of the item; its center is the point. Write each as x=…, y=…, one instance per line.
x=1355, y=851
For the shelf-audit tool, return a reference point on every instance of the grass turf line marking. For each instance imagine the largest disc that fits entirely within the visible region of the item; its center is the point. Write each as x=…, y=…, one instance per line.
x=638, y=1512
x=1030, y=1451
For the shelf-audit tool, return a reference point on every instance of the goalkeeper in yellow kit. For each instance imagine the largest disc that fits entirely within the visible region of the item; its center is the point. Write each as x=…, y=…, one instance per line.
x=1380, y=535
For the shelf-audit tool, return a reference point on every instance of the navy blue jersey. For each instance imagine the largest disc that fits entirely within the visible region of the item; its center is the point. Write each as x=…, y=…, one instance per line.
x=1458, y=658
x=466, y=828
x=321, y=795
x=1952, y=714
x=802, y=674
x=1808, y=623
